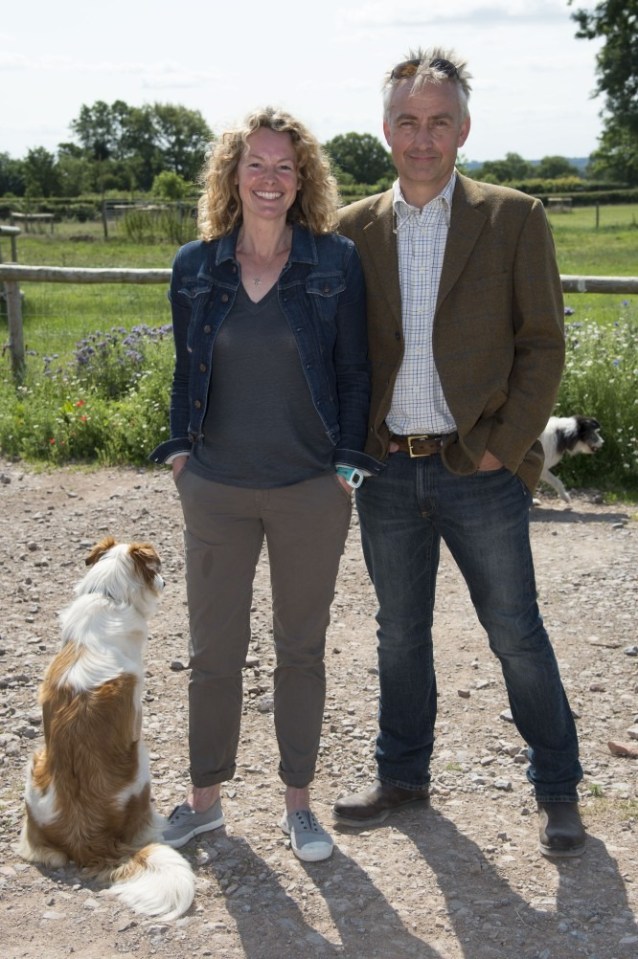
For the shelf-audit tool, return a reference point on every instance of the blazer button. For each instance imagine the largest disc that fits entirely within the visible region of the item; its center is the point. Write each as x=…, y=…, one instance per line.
x=202, y=367
x=197, y=404
x=207, y=328
x=397, y=335
x=224, y=297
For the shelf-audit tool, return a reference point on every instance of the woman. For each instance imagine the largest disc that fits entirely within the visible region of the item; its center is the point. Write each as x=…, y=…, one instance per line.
x=268, y=421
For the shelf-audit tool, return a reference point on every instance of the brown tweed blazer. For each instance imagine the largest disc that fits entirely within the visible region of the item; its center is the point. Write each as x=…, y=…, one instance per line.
x=498, y=336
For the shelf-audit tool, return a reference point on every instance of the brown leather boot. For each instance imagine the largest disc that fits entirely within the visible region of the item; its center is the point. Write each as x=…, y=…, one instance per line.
x=561, y=833
x=373, y=805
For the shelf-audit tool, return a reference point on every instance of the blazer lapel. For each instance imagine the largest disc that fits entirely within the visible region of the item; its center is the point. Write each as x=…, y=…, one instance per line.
x=381, y=247
x=465, y=229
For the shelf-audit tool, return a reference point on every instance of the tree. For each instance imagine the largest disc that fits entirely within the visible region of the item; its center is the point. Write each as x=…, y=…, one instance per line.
x=182, y=137
x=554, y=167
x=131, y=145
x=101, y=128
x=40, y=173
x=170, y=186
x=616, y=22
x=617, y=61
x=513, y=167
x=11, y=176
x=616, y=158
x=361, y=155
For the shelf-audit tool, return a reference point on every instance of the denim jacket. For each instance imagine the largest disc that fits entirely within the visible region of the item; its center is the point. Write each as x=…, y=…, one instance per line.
x=322, y=294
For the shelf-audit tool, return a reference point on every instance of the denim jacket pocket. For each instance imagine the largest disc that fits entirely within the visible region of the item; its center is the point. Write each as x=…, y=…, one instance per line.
x=197, y=296
x=323, y=289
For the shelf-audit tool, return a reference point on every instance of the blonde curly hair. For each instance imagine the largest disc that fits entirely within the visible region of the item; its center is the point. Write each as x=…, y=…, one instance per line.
x=220, y=208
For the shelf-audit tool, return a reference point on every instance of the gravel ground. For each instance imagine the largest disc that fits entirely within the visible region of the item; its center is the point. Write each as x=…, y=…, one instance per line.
x=462, y=880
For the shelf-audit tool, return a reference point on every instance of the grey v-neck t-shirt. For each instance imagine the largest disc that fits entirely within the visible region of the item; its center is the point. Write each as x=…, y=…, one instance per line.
x=261, y=429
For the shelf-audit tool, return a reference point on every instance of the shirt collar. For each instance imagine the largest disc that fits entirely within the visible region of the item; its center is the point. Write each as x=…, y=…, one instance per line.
x=404, y=211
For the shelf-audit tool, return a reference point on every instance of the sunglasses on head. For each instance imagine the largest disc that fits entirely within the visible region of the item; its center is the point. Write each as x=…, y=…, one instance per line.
x=409, y=67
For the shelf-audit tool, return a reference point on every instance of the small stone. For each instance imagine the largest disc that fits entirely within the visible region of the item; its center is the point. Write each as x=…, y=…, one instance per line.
x=506, y=715
x=504, y=785
x=627, y=750
x=464, y=693
x=177, y=666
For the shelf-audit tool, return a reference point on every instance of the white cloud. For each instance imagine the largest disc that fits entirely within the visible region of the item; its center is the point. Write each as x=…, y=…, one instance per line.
x=531, y=87
x=514, y=12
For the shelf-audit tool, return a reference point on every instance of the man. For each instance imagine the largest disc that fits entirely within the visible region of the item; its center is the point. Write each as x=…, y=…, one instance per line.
x=465, y=319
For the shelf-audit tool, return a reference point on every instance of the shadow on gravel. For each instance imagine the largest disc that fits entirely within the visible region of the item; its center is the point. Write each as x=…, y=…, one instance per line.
x=539, y=514
x=271, y=924
x=268, y=920
x=589, y=916
x=369, y=926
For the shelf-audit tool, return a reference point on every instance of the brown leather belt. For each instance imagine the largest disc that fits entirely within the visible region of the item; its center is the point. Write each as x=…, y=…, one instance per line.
x=419, y=444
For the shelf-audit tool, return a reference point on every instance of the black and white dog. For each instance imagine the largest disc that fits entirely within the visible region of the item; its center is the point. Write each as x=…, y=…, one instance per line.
x=567, y=435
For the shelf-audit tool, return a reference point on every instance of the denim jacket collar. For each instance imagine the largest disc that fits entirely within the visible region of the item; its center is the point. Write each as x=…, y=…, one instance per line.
x=303, y=250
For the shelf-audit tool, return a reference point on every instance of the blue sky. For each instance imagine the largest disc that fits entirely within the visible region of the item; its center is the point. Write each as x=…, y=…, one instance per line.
x=323, y=61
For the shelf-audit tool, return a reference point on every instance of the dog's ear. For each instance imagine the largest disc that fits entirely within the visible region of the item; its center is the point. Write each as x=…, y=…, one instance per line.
x=145, y=560
x=99, y=550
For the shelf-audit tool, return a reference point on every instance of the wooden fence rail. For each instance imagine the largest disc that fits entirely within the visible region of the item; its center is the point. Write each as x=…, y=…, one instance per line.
x=11, y=274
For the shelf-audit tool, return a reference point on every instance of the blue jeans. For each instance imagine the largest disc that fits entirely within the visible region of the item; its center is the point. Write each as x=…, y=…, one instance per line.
x=484, y=520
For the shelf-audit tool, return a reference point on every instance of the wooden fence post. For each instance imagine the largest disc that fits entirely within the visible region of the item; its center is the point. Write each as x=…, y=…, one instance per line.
x=16, y=333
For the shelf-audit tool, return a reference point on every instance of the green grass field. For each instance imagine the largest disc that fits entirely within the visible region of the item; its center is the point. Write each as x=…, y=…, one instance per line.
x=67, y=412
x=609, y=250
x=57, y=315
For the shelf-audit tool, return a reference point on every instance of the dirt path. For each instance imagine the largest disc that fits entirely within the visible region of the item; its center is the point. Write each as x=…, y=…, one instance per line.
x=462, y=880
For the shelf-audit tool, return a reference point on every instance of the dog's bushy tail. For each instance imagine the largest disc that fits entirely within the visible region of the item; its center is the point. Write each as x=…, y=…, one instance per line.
x=155, y=881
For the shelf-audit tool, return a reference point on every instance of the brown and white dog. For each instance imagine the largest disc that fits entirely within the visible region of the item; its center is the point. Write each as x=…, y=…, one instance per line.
x=567, y=435
x=88, y=792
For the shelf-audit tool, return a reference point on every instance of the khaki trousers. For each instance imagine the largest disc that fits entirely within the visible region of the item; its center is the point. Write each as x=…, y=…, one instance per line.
x=305, y=528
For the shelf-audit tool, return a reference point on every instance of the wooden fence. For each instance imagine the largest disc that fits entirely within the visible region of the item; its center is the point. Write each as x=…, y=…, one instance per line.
x=11, y=274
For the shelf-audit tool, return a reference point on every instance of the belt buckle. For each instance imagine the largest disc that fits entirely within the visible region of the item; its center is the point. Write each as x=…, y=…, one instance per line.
x=417, y=437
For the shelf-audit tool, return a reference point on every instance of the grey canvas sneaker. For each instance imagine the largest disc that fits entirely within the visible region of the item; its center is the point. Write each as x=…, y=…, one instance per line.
x=184, y=823
x=309, y=841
